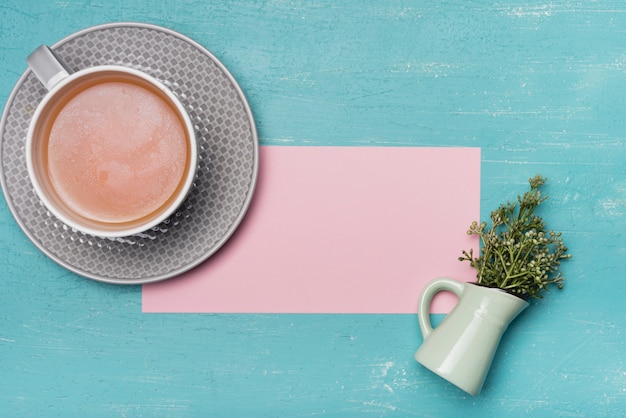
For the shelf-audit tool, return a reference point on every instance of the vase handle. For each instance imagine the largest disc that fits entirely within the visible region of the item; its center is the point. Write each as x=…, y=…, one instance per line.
x=435, y=286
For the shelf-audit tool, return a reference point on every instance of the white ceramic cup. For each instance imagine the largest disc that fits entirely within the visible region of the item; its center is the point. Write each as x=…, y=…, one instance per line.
x=62, y=85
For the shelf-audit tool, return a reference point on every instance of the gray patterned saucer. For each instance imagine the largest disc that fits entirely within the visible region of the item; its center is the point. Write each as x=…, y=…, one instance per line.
x=227, y=146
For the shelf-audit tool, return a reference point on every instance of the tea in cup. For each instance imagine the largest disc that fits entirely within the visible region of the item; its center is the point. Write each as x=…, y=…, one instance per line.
x=110, y=150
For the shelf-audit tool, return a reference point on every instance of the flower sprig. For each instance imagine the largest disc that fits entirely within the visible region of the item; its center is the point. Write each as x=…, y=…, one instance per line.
x=517, y=254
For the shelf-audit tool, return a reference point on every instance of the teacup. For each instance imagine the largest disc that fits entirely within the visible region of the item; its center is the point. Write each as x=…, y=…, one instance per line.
x=111, y=151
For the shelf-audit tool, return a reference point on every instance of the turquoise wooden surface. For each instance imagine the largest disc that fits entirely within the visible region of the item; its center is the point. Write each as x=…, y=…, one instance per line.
x=540, y=87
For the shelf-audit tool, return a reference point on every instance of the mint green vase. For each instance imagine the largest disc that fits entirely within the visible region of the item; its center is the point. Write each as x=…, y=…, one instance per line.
x=461, y=348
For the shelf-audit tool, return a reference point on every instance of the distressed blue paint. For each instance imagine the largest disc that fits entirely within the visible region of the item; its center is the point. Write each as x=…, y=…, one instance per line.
x=538, y=86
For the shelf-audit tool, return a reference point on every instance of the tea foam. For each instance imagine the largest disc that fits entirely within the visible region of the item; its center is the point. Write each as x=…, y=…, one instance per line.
x=116, y=152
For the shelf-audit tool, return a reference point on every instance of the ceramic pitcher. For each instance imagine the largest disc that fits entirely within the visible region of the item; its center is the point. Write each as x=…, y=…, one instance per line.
x=460, y=349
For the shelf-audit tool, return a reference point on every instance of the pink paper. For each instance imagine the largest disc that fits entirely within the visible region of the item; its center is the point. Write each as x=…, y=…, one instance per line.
x=339, y=230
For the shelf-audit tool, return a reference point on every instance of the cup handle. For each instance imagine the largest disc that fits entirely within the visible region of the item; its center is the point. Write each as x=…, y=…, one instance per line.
x=430, y=290
x=47, y=66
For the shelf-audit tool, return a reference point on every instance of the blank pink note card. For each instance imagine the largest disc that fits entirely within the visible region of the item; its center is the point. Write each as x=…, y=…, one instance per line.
x=339, y=230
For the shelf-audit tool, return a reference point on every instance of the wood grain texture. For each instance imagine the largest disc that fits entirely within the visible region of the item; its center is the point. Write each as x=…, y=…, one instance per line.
x=539, y=87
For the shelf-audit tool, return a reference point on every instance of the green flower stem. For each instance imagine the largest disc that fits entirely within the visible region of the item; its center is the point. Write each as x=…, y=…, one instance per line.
x=516, y=253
